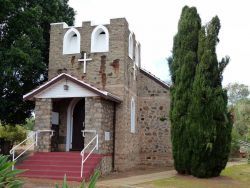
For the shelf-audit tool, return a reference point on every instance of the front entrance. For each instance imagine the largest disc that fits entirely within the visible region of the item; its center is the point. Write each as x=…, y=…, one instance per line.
x=78, y=126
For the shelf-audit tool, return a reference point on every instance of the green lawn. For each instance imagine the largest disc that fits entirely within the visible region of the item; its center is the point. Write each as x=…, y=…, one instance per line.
x=235, y=176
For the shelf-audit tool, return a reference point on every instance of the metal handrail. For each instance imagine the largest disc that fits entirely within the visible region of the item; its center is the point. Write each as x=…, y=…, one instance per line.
x=34, y=142
x=82, y=152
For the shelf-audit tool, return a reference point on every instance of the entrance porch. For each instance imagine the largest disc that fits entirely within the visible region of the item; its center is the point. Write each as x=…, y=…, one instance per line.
x=75, y=121
x=76, y=112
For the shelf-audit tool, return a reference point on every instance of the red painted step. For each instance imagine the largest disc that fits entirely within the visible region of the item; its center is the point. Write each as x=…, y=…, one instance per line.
x=54, y=165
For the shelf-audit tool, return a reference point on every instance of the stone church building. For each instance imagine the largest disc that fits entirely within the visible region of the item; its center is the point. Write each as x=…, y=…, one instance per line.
x=96, y=86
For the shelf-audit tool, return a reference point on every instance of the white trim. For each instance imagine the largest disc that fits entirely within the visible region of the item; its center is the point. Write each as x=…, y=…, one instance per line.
x=65, y=39
x=57, y=90
x=93, y=39
x=70, y=111
x=137, y=55
x=105, y=93
x=132, y=115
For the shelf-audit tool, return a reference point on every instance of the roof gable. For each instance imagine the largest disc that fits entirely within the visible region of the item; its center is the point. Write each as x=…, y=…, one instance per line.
x=57, y=90
x=76, y=88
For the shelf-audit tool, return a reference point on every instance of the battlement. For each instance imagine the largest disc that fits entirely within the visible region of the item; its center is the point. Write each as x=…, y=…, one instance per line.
x=112, y=53
x=99, y=36
x=92, y=22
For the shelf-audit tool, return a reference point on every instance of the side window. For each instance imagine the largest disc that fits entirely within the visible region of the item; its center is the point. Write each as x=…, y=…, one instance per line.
x=71, y=42
x=130, y=46
x=100, y=39
x=137, y=55
x=132, y=118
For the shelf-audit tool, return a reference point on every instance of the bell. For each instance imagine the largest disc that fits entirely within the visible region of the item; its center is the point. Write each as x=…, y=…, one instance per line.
x=66, y=87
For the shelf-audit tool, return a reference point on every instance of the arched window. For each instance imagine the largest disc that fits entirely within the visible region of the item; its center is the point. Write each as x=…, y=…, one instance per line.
x=100, y=39
x=130, y=46
x=71, y=42
x=132, y=115
x=137, y=55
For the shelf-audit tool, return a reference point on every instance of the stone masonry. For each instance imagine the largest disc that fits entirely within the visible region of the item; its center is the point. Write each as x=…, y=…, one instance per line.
x=43, y=111
x=99, y=116
x=154, y=104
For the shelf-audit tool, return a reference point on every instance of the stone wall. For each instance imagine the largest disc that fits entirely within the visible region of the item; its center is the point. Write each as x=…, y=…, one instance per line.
x=106, y=165
x=154, y=104
x=43, y=111
x=99, y=115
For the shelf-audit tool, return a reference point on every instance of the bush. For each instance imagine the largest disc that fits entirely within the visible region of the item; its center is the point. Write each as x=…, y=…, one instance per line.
x=10, y=135
x=7, y=175
x=29, y=123
x=235, y=145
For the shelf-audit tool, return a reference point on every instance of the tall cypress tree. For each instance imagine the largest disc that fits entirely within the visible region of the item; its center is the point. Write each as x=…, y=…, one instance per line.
x=182, y=68
x=210, y=124
x=200, y=125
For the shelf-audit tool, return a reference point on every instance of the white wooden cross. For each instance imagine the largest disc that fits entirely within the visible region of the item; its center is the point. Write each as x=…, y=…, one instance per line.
x=84, y=59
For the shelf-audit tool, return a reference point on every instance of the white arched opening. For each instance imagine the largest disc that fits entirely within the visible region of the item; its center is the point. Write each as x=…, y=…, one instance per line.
x=132, y=115
x=70, y=111
x=130, y=46
x=137, y=55
x=71, y=42
x=100, y=39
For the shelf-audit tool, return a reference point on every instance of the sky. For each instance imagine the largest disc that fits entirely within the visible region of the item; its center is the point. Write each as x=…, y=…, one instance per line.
x=154, y=23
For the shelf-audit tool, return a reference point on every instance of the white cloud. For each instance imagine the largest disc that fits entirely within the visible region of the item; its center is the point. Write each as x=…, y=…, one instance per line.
x=155, y=23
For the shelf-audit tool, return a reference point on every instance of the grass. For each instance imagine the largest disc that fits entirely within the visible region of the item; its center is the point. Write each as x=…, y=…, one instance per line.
x=238, y=172
x=235, y=176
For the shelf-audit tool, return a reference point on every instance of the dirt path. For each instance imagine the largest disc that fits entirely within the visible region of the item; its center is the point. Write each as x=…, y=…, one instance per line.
x=133, y=181
x=129, y=181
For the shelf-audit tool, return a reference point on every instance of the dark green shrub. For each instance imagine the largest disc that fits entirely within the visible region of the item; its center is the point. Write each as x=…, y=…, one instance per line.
x=235, y=145
x=11, y=135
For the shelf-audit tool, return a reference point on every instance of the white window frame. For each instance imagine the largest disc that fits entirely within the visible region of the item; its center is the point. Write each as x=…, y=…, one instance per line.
x=66, y=39
x=132, y=116
x=137, y=55
x=93, y=39
x=130, y=46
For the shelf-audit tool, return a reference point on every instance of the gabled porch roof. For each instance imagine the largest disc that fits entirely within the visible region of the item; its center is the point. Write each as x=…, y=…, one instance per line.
x=54, y=88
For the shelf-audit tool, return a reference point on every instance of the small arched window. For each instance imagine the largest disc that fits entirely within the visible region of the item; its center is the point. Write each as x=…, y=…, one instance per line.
x=100, y=39
x=137, y=55
x=71, y=42
x=130, y=46
x=132, y=115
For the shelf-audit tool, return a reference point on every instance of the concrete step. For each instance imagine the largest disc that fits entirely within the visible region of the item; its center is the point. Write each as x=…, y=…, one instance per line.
x=54, y=165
